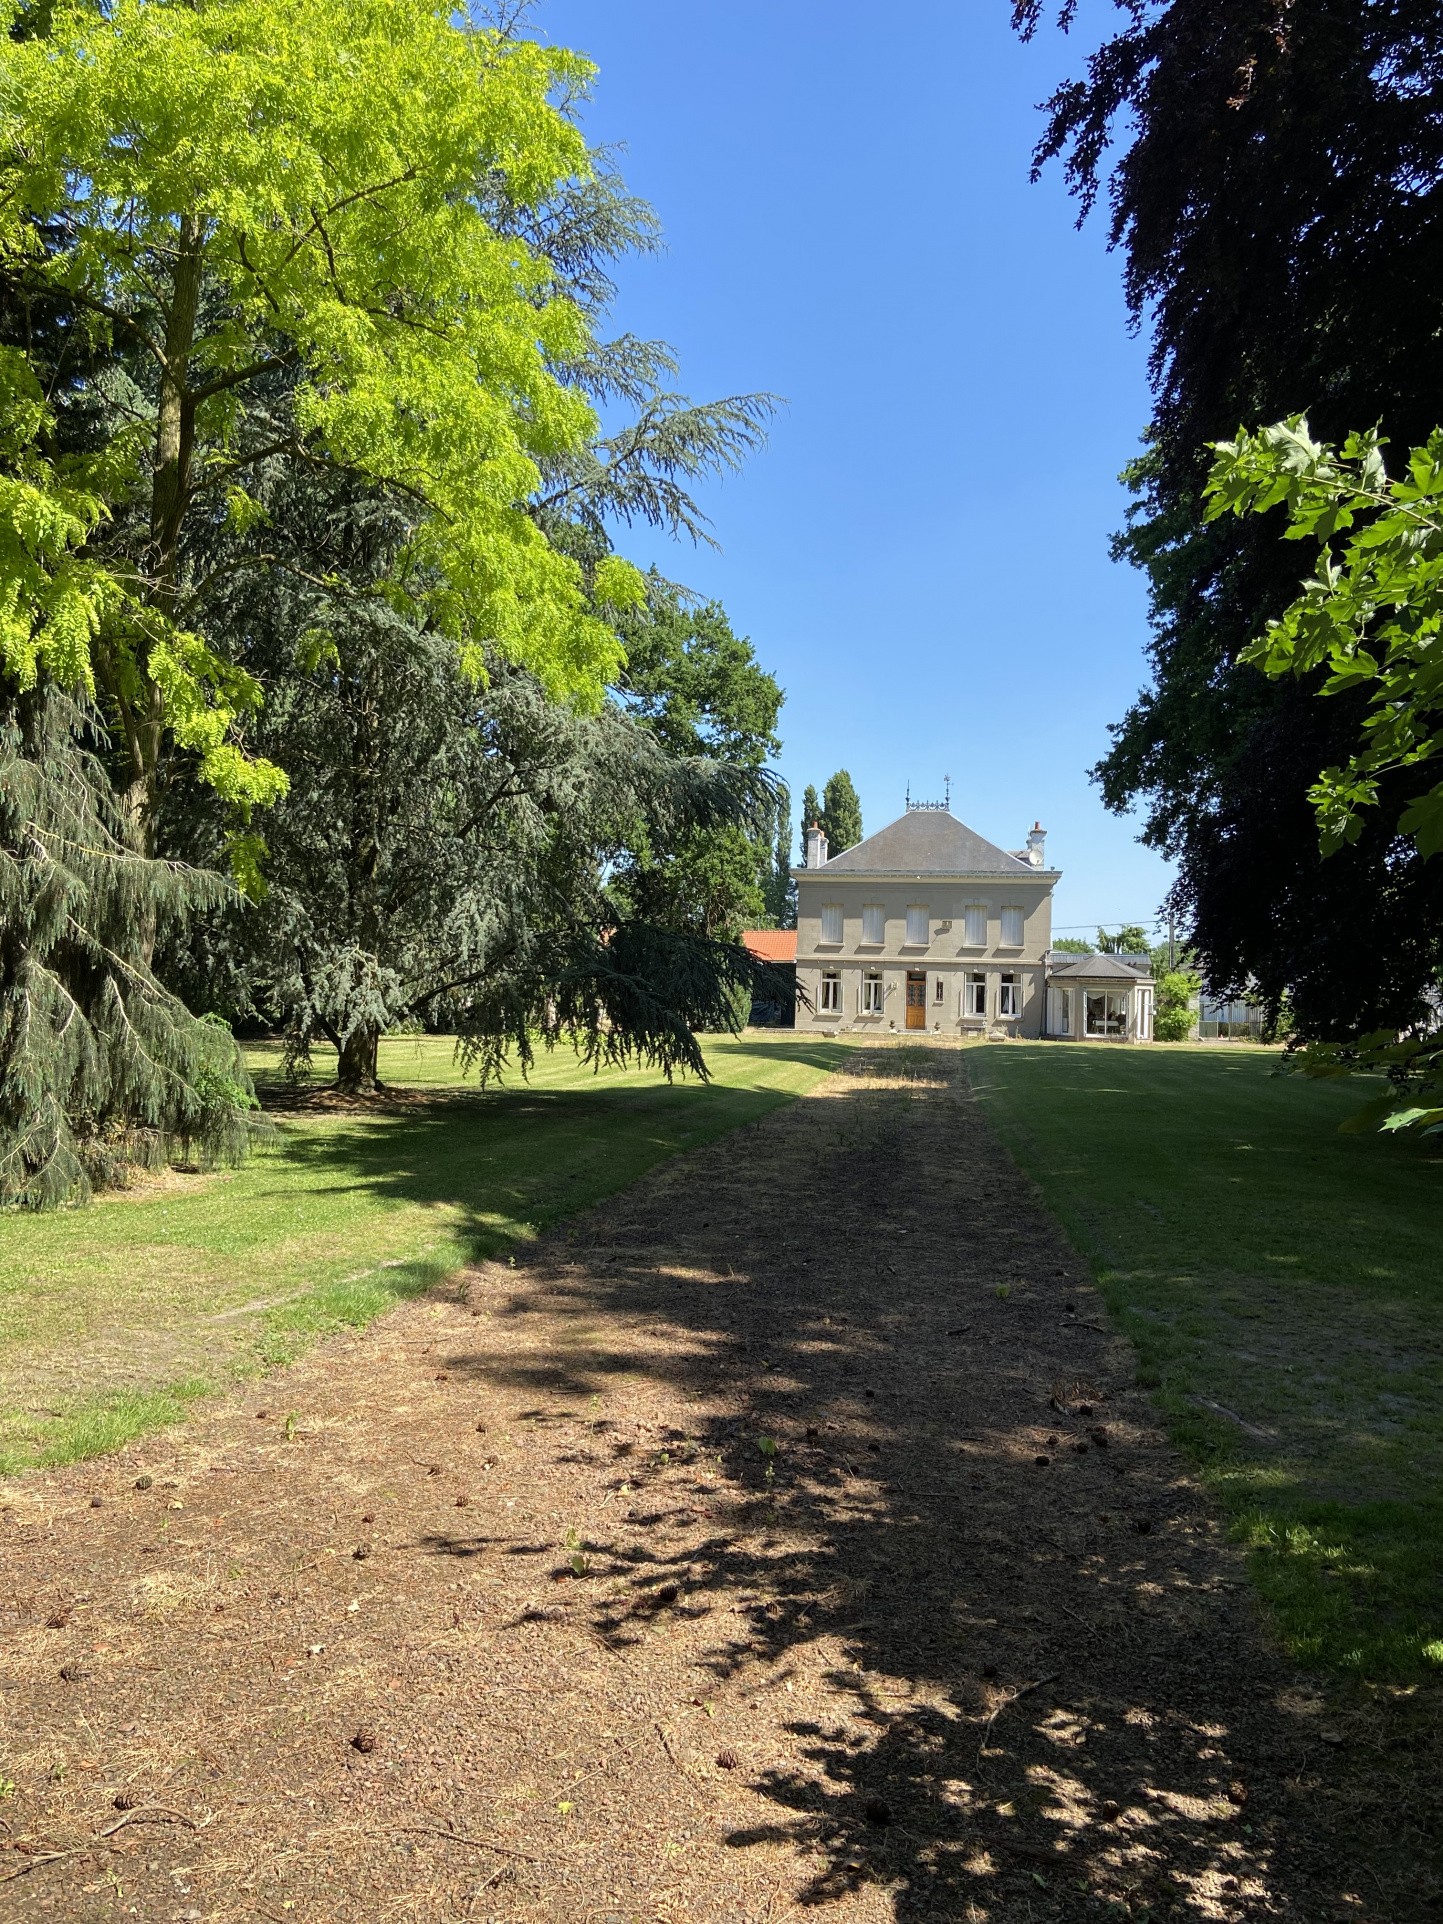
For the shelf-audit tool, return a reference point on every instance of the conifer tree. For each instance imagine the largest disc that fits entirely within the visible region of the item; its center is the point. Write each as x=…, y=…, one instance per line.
x=841, y=813
x=811, y=817
x=101, y=1068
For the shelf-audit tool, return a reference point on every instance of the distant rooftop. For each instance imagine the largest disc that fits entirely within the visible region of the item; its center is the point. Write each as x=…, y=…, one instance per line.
x=927, y=841
x=771, y=945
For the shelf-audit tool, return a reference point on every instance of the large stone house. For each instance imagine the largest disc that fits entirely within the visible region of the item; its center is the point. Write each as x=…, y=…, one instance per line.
x=925, y=925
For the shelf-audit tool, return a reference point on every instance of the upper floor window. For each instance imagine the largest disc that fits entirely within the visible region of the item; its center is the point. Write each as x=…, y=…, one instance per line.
x=917, y=928
x=874, y=923
x=975, y=920
x=832, y=993
x=831, y=921
x=1009, y=995
x=1012, y=928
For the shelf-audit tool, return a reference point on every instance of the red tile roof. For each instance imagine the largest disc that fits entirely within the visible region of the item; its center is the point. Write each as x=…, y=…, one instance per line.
x=771, y=945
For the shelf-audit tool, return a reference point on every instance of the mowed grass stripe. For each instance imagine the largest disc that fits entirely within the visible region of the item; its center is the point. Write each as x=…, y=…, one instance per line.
x=1282, y=1285
x=114, y=1317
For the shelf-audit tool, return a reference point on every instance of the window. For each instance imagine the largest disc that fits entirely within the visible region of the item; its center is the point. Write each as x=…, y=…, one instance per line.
x=831, y=921
x=939, y=988
x=974, y=996
x=872, y=992
x=1060, y=1005
x=1012, y=928
x=917, y=928
x=1009, y=995
x=874, y=923
x=1106, y=1014
x=975, y=917
x=832, y=992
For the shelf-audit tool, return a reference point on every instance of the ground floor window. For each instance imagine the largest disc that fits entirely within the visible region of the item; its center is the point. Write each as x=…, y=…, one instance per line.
x=872, y=992
x=1009, y=996
x=1106, y=1013
x=974, y=996
x=939, y=989
x=832, y=992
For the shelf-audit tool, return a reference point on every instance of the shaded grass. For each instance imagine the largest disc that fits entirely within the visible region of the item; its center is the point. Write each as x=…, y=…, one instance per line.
x=1282, y=1286
x=113, y=1317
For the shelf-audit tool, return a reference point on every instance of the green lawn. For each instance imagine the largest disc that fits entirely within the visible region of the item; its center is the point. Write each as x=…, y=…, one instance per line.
x=113, y=1317
x=1283, y=1286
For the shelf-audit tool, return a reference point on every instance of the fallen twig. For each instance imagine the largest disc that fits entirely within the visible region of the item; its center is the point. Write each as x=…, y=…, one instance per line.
x=1252, y=1429
x=666, y=1746
x=1091, y=1628
x=460, y=1837
x=42, y=1858
x=1007, y=1702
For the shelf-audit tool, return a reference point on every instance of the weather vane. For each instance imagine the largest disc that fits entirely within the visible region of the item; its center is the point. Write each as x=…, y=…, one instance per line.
x=942, y=807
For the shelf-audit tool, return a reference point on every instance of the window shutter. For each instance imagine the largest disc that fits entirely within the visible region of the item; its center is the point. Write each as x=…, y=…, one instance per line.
x=831, y=922
x=1012, y=928
x=976, y=925
x=917, y=928
x=873, y=923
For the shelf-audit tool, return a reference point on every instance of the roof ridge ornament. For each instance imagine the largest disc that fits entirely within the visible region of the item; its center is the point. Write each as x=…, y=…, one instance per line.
x=944, y=807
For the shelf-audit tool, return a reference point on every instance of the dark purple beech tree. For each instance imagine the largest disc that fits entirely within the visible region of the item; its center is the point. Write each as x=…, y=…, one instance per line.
x=1272, y=176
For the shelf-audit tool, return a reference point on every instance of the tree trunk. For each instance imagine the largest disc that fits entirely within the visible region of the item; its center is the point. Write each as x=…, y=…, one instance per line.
x=356, y=1069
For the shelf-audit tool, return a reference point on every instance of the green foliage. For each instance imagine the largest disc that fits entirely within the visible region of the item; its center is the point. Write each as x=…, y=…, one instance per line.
x=837, y=812
x=1280, y=1272
x=1322, y=123
x=101, y=1067
x=341, y=1216
x=236, y=193
x=779, y=890
x=1131, y=939
x=697, y=685
x=699, y=689
x=1369, y=617
x=477, y=860
x=841, y=813
x=811, y=818
x=1072, y=945
x=1174, y=1020
x=1411, y=1066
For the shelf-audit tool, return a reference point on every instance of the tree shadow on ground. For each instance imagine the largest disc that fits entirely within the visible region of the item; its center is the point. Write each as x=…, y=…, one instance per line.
x=917, y=1489
x=520, y=1159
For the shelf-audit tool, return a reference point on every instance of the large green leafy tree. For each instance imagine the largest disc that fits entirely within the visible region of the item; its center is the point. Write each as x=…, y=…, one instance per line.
x=363, y=244
x=449, y=854
x=697, y=685
x=1273, y=179
x=233, y=192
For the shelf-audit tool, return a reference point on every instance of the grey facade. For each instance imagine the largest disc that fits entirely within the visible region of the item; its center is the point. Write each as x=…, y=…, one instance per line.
x=927, y=926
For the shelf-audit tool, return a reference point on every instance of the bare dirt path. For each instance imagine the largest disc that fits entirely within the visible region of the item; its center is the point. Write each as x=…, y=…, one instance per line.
x=787, y=1534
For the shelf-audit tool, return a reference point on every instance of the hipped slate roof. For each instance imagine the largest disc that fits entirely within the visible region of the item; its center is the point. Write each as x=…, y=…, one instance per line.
x=1100, y=968
x=925, y=841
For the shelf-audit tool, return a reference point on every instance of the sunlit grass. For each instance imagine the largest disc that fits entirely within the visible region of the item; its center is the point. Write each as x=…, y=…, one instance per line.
x=1282, y=1287
x=340, y=1213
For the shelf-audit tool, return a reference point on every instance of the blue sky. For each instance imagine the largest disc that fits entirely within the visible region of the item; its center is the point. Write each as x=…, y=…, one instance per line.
x=920, y=555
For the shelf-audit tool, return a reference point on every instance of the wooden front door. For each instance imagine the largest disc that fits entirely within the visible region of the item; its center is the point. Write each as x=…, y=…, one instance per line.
x=916, y=999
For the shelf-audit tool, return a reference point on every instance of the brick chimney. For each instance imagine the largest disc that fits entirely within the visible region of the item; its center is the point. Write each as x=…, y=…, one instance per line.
x=816, y=846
